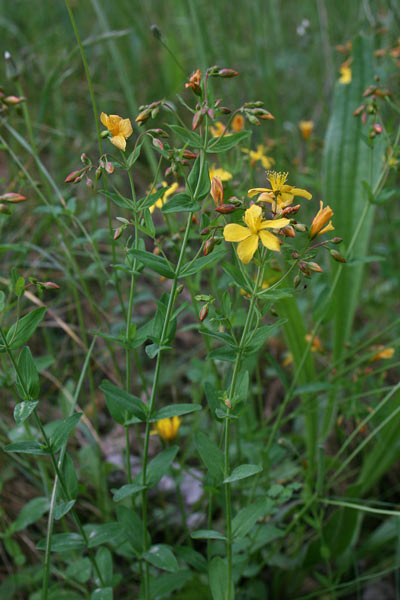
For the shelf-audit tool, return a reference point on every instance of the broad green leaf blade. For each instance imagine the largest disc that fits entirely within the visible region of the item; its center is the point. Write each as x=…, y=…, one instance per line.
x=104, y=593
x=27, y=447
x=175, y=410
x=29, y=388
x=133, y=527
x=211, y=455
x=63, y=509
x=242, y=472
x=63, y=542
x=129, y=489
x=227, y=141
x=218, y=578
x=199, y=188
x=248, y=517
x=123, y=405
x=160, y=465
x=180, y=203
x=30, y=513
x=348, y=161
x=162, y=557
x=156, y=263
x=20, y=332
x=207, y=534
x=190, y=137
x=23, y=410
x=203, y=262
x=62, y=431
x=107, y=533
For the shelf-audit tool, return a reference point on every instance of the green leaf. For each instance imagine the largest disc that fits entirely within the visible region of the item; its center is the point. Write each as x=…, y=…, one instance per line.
x=242, y=472
x=23, y=410
x=162, y=586
x=122, y=405
x=189, y=137
x=191, y=557
x=30, y=513
x=227, y=142
x=211, y=455
x=130, y=489
x=207, y=534
x=224, y=354
x=134, y=155
x=255, y=342
x=62, y=509
x=160, y=464
x=199, y=190
x=246, y=518
x=275, y=294
x=162, y=557
x=70, y=477
x=105, y=563
x=218, y=578
x=175, y=410
x=2, y=301
x=104, y=593
x=62, y=431
x=237, y=276
x=148, y=221
x=181, y=202
x=204, y=262
x=118, y=199
x=133, y=527
x=80, y=570
x=63, y=542
x=27, y=447
x=112, y=533
x=22, y=330
x=156, y=263
x=29, y=375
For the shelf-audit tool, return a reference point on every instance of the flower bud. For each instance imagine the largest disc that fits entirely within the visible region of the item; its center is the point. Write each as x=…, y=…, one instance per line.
x=98, y=173
x=300, y=227
x=209, y=246
x=295, y=254
x=304, y=268
x=371, y=89
x=203, y=313
x=49, y=285
x=217, y=191
x=288, y=231
x=12, y=197
x=314, y=267
x=296, y=281
x=118, y=233
x=197, y=119
x=377, y=128
x=109, y=167
x=364, y=118
x=225, y=209
x=189, y=154
x=205, y=231
x=225, y=110
x=158, y=144
x=336, y=240
x=359, y=110
x=143, y=116
x=4, y=209
x=252, y=119
x=75, y=176
x=337, y=256
x=227, y=73
x=156, y=31
x=13, y=100
x=290, y=210
x=85, y=159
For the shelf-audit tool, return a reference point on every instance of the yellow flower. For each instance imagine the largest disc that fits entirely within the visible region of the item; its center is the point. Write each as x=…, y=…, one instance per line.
x=281, y=194
x=167, y=428
x=250, y=236
x=345, y=73
x=321, y=218
x=316, y=345
x=119, y=128
x=238, y=123
x=259, y=155
x=220, y=173
x=162, y=200
x=306, y=128
x=383, y=353
x=218, y=130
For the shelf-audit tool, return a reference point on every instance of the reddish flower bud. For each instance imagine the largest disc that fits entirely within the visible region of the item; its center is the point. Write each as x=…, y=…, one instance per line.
x=296, y=281
x=337, y=256
x=227, y=73
x=49, y=285
x=314, y=267
x=291, y=210
x=300, y=227
x=13, y=100
x=295, y=254
x=158, y=144
x=109, y=168
x=74, y=176
x=336, y=240
x=217, y=191
x=364, y=118
x=371, y=89
x=203, y=313
x=377, y=128
x=118, y=233
x=205, y=231
x=288, y=231
x=359, y=110
x=209, y=247
x=12, y=197
x=189, y=154
x=225, y=209
x=304, y=268
x=225, y=110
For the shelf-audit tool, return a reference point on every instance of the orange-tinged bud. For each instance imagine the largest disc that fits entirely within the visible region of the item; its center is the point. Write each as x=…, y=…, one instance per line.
x=227, y=73
x=290, y=210
x=209, y=247
x=194, y=82
x=189, y=154
x=217, y=191
x=319, y=223
x=13, y=100
x=288, y=231
x=225, y=209
x=12, y=197
x=74, y=176
x=197, y=119
x=238, y=123
x=49, y=285
x=205, y=231
x=359, y=110
x=314, y=267
x=306, y=129
x=377, y=128
x=337, y=256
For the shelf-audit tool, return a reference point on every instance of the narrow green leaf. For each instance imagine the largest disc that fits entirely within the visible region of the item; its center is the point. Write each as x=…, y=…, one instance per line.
x=207, y=534
x=175, y=410
x=160, y=465
x=123, y=405
x=190, y=137
x=242, y=472
x=130, y=489
x=211, y=455
x=218, y=578
x=63, y=542
x=27, y=447
x=228, y=141
x=62, y=431
x=22, y=330
x=199, y=189
x=29, y=375
x=112, y=533
x=30, y=513
x=246, y=518
x=156, y=263
x=181, y=202
x=204, y=262
x=162, y=557
x=23, y=410
x=63, y=509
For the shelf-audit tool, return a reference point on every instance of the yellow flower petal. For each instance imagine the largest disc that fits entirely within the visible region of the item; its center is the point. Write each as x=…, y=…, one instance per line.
x=220, y=173
x=277, y=224
x=125, y=128
x=119, y=141
x=270, y=240
x=299, y=192
x=255, y=191
x=266, y=197
x=247, y=248
x=236, y=233
x=252, y=217
x=267, y=162
x=104, y=119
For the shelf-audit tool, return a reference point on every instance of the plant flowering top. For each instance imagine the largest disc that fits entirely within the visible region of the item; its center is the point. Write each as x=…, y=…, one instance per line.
x=250, y=236
x=281, y=194
x=167, y=428
x=119, y=128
